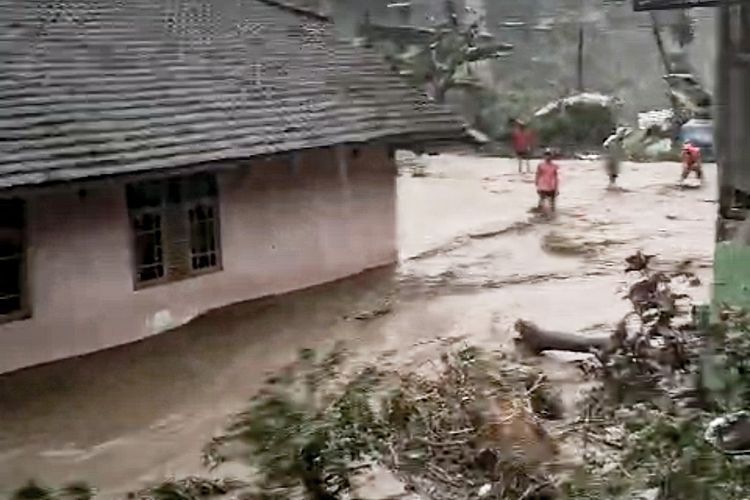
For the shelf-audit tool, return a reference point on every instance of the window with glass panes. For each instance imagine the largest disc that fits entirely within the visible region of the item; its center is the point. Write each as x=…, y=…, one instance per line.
x=175, y=224
x=13, y=300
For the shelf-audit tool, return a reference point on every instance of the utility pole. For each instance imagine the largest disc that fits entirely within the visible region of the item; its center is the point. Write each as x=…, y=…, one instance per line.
x=579, y=64
x=656, y=29
x=579, y=53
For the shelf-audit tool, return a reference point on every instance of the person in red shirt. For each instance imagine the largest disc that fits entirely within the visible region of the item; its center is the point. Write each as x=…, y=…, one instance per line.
x=692, y=161
x=547, y=181
x=523, y=144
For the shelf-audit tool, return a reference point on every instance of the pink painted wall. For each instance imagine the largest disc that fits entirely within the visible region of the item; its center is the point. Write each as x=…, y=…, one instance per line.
x=280, y=231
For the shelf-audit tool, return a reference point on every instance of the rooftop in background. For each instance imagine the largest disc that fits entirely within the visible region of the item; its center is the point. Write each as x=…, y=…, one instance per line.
x=106, y=87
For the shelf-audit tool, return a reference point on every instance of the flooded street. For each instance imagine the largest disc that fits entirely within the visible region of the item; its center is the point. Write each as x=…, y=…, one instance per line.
x=473, y=261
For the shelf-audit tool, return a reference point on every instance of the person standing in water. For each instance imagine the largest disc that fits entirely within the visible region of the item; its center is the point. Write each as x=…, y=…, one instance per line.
x=523, y=144
x=547, y=181
x=692, y=161
x=615, y=152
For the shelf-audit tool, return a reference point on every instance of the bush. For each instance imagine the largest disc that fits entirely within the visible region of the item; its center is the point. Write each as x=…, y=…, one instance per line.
x=579, y=125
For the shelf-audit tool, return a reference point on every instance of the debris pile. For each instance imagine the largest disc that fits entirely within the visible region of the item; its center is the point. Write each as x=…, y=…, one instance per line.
x=469, y=427
x=189, y=488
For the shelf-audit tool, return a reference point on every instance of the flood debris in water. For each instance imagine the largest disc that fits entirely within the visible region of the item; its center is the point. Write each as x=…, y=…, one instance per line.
x=558, y=243
x=446, y=431
x=190, y=488
x=475, y=423
x=382, y=307
x=645, y=336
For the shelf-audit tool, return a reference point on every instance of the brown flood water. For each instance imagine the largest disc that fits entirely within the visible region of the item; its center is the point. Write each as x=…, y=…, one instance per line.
x=472, y=262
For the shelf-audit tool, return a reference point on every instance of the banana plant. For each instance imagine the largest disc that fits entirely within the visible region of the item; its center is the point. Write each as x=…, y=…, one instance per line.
x=438, y=57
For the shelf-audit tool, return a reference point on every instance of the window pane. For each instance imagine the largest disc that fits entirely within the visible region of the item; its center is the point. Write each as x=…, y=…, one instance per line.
x=150, y=273
x=203, y=236
x=11, y=242
x=10, y=276
x=147, y=201
x=9, y=305
x=149, y=255
x=145, y=194
x=11, y=213
x=11, y=255
x=200, y=186
x=174, y=191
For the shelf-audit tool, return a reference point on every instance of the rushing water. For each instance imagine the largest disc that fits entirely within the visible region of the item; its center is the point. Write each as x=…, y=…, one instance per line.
x=473, y=261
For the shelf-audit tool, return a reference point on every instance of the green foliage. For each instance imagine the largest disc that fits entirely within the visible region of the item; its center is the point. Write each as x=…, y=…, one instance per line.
x=576, y=125
x=307, y=430
x=666, y=453
x=725, y=368
x=495, y=109
x=672, y=454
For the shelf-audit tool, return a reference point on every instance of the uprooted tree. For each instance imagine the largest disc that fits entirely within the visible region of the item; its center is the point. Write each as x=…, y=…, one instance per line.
x=667, y=420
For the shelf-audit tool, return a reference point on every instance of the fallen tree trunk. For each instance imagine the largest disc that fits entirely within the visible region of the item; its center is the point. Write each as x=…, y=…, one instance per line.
x=539, y=340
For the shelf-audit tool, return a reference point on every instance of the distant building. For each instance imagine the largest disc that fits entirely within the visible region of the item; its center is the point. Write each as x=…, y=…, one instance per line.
x=162, y=158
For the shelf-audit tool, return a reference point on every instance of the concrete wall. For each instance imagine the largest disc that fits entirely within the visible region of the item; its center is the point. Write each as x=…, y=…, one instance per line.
x=282, y=228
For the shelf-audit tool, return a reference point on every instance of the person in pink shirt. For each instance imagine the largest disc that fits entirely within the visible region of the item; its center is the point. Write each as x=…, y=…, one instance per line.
x=547, y=181
x=692, y=161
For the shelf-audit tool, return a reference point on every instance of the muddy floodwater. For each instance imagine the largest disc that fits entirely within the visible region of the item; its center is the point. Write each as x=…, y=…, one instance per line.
x=473, y=260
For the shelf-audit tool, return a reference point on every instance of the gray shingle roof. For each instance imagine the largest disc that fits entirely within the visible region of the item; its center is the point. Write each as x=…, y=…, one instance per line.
x=92, y=88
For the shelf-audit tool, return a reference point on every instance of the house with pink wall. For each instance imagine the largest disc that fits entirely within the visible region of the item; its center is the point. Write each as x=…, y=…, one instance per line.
x=163, y=158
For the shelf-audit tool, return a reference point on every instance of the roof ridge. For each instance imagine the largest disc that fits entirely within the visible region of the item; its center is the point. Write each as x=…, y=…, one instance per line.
x=296, y=9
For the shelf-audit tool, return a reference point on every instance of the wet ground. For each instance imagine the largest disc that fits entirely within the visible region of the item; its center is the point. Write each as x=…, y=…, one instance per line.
x=473, y=260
